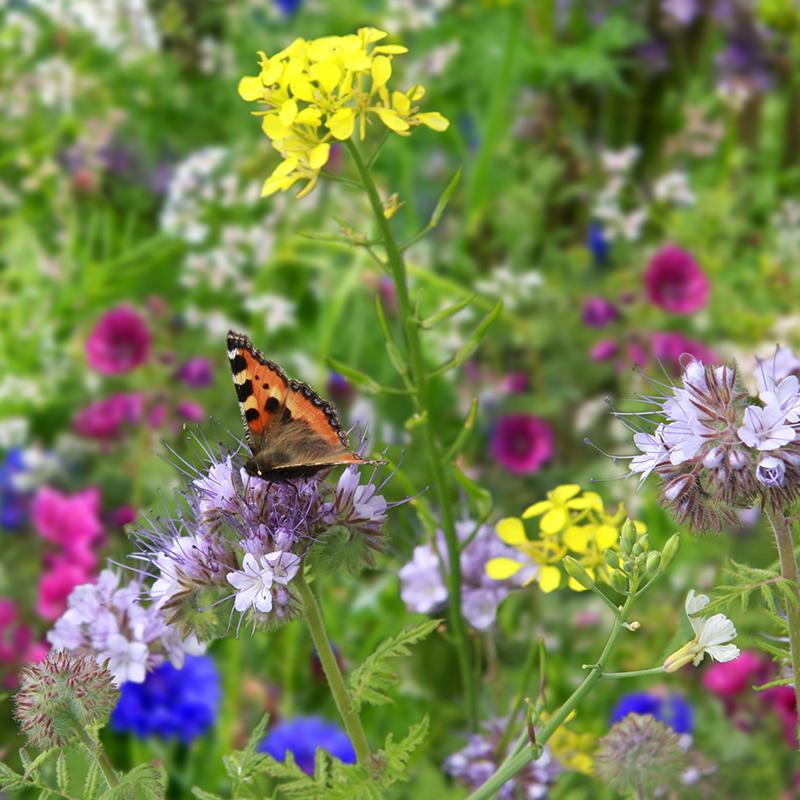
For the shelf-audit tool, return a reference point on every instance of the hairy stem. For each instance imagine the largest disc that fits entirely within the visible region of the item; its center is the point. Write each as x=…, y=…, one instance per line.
x=522, y=755
x=785, y=542
x=419, y=375
x=350, y=718
x=98, y=753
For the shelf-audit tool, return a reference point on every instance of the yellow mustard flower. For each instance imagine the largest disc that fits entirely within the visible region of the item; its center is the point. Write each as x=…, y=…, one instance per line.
x=320, y=91
x=571, y=520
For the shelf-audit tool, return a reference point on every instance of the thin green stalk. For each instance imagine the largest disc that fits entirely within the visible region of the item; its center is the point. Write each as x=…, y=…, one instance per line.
x=96, y=749
x=435, y=460
x=350, y=718
x=785, y=542
x=524, y=755
x=637, y=673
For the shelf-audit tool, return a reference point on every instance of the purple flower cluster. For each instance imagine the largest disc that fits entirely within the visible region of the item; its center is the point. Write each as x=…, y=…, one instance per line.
x=172, y=703
x=422, y=582
x=243, y=539
x=475, y=763
x=714, y=449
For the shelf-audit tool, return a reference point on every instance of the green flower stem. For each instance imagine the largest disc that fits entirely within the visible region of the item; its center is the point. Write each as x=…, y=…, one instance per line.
x=637, y=673
x=435, y=459
x=99, y=754
x=522, y=756
x=350, y=718
x=788, y=558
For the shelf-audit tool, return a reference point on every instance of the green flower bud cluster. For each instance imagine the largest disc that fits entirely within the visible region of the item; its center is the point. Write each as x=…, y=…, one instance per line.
x=635, y=565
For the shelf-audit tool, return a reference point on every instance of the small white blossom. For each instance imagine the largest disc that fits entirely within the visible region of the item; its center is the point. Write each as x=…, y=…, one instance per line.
x=127, y=661
x=766, y=428
x=253, y=584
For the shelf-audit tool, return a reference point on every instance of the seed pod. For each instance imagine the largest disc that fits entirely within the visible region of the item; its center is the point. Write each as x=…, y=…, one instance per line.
x=578, y=572
x=669, y=551
x=652, y=561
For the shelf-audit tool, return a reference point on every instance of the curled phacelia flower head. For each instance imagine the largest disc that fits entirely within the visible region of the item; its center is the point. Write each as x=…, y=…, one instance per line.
x=715, y=448
x=59, y=693
x=640, y=753
x=239, y=541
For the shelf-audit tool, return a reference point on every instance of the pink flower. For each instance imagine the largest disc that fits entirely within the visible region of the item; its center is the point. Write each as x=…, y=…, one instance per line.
x=55, y=586
x=119, y=342
x=192, y=412
x=728, y=678
x=17, y=646
x=122, y=516
x=516, y=382
x=604, y=350
x=157, y=415
x=522, y=443
x=196, y=372
x=70, y=521
x=674, y=281
x=669, y=347
x=103, y=419
x=598, y=312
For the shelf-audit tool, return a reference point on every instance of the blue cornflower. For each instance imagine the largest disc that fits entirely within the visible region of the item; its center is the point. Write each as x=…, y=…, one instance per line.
x=288, y=7
x=597, y=243
x=672, y=710
x=171, y=703
x=302, y=736
x=13, y=505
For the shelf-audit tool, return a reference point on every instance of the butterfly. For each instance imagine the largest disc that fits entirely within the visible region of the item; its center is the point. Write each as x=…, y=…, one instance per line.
x=291, y=430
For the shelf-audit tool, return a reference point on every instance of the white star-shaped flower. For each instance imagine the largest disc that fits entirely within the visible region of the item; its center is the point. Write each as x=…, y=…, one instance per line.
x=253, y=584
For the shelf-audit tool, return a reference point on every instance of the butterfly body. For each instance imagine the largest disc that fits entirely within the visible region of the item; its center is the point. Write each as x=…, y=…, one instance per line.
x=292, y=431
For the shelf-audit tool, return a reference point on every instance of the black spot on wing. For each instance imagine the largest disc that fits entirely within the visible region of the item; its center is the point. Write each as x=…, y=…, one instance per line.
x=272, y=405
x=251, y=414
x=244, y=390
x=287, y=415
x=238, y=364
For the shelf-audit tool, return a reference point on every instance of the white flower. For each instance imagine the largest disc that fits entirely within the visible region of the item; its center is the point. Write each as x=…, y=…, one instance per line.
x=785, y=395
x=284, y=566
x=253, y=582
x=712, y=635
x=619, y=160
x=674, y=188
x=654, y=451
x=766, y=428
x=127, y=661
x=771, y=471
x=67, y=633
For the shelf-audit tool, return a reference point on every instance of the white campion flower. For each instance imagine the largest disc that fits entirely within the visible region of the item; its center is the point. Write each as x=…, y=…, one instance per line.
x=712, y=636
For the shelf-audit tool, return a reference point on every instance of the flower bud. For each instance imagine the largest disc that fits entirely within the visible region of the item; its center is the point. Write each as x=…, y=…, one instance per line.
x=670, y=550
x=578, y=572
x=637, y=549
x=652, y=561
x=627, y=537
x=618, y=582
x=612, y=559
x=713, y=458
x=60, y=693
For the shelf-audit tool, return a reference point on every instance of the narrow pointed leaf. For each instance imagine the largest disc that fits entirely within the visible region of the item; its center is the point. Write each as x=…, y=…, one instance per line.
x=480, y=497
x=445, y=198
x=356, y=377
x=446, y=313
x=472, y=342
x=469, y=424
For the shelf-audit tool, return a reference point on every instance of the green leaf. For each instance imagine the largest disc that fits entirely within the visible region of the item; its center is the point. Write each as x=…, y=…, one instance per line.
x=10, y=780
x=33, y=766
x=472, y=342
x=480, y=497
x=146, y=781
x=398, y=754
x=440, y=316
x=370, y=679
x=92, y=782
x=360, y=379
x=466, y=430
x=202, y=794
x=293, y=781
x=445, y=198
x=391, y=348
x=776, y=682
x=62, y=773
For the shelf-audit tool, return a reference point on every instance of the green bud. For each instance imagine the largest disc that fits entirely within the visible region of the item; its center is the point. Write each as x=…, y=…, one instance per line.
x=619, y=582
x=612, y=559
x=652, y=561
x=627, y=537
x=578, y=572
x=644, y=541
x=637, y=548
x=670, y=550
x=627, y=566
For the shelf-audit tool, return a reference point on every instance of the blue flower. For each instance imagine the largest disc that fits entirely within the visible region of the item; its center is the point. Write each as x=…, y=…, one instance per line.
x=672, y=710
x=13, y=503
x=288, y=7
x=302, y=736
x=171, y=703
x=597, y=243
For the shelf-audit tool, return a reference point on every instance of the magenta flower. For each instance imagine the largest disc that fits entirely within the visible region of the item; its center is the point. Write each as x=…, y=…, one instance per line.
x=191, y=412
x=729, y=678
x=103, y=419
x=669, y=347
x=119, y=342
x=674, y=281
x=196, y=372
x=598, y=312
x=516, y=382
x=17, y=645
x=56, y=585
x=70, y=521
x=521, y=443
x=604, y=350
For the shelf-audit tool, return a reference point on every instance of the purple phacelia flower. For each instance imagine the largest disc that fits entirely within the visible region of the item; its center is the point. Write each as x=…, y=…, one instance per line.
x=196, y=373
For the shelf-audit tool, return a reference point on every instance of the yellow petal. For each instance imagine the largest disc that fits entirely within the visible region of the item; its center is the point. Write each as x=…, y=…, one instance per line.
x=390, y=119
x=536, y=509
x=554, y=520
x=370, y=35
x=575, y=586
x=390, y=49
x=381, y=71
x=278, y=184
x=341, y=123
x=272, y=126
x=302, y=89
x=595, y=501
x=400, y=103
x=434, y=120
x=511, y=531
x=501, y=568
x=318, y=157
x=308, y=116
x=606, y=536
x=288, y=112
x=271, y=72
x=549, y=579
x=357, y=61
x=563, y=493
x=285, y=167
x=251, y=88
x=576, y=538
x=327, y=74
x=639, y=526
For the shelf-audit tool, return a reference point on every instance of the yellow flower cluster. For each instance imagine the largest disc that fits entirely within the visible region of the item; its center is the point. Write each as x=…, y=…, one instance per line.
x=570, y=521
x=319, y=91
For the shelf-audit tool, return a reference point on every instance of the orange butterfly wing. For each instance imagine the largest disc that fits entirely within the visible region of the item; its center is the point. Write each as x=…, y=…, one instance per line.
x=290, y=427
